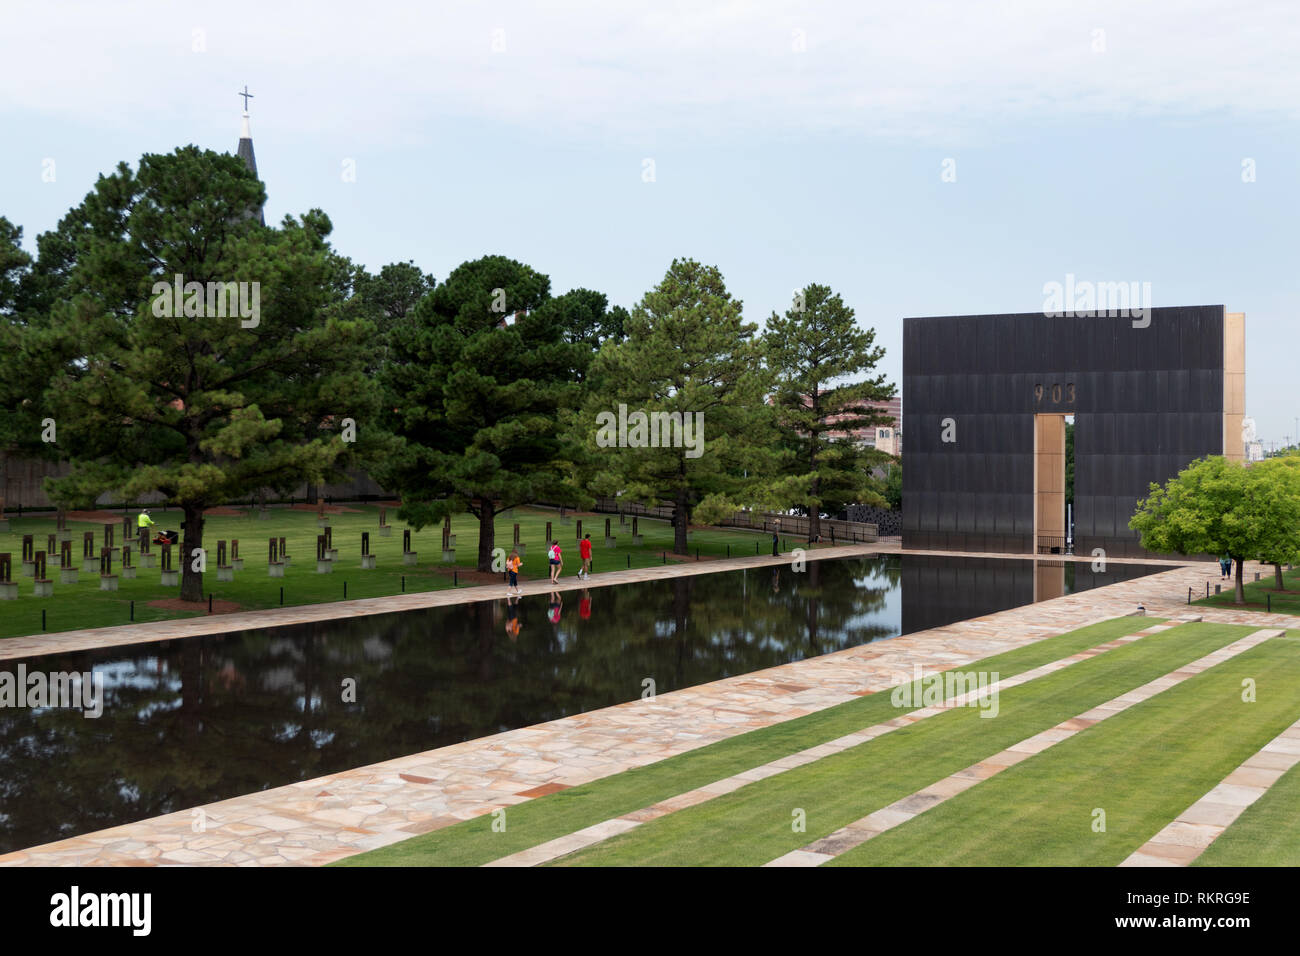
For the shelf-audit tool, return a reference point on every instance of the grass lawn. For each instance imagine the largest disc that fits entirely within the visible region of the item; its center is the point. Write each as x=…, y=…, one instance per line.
x=83, y=605
x=1143, y=767
x=753, y=825
x=473, y=842
x=1266, y=834
x=1259, y=594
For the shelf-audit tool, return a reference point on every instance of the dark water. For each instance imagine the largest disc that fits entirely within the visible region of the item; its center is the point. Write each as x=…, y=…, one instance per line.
x=194, y=721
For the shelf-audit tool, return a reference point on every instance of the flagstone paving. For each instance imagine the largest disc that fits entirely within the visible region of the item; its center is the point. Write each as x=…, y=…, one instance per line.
x=554, y=849
x=317, y=821
x=1190, y=835
x=901, y=811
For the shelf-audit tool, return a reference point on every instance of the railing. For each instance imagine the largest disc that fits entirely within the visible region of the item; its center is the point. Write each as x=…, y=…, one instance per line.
x=833, y=530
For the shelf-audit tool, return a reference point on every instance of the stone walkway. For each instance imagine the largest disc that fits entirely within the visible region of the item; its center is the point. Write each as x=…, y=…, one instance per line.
x=317, y=821
x=582, y=839
x=1182, y=841
x=908, y=808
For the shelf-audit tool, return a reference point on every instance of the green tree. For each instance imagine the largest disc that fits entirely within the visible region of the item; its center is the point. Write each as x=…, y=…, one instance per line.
x=817, y=353
x=1274, y=487
x=1222, y=507
x=477, y=398
x=158, y=394
x=894, y=487
x=692, y=367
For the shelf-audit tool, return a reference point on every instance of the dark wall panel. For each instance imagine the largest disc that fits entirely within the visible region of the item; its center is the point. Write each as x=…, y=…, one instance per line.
x=1147, y=402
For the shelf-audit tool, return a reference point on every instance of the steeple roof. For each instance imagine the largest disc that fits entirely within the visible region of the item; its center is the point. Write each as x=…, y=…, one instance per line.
x=245, y=150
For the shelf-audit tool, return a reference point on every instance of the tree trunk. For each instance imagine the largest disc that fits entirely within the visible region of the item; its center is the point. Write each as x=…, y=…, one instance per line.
x=192, y=539
x=679, y=521
x=487, y=534
x=1277, y=577
x=815, y=512
x=1241, y=586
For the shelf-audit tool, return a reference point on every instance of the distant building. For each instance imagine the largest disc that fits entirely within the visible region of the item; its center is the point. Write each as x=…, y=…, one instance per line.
x=887, y=437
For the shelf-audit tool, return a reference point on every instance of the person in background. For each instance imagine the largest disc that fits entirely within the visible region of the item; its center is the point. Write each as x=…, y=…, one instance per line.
x=776, y=533
x=143, y=522
x=584, y=552
x=556, y=560
x=512, y=570
x=1225, y=567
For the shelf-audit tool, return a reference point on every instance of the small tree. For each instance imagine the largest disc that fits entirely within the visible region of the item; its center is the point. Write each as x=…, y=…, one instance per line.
x=1222, y=507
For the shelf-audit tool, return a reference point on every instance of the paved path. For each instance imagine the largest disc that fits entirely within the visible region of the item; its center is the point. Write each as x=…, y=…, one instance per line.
x=908, y=808
x=1187, y=837
x=316, y=821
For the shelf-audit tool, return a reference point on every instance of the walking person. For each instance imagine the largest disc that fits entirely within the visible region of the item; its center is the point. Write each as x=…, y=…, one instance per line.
x=557, y=562
x=584, y=552
x=512, y=569
x=1225, y=567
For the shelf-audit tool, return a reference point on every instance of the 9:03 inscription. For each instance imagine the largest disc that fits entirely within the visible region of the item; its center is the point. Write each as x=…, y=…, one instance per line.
x=1056, y=393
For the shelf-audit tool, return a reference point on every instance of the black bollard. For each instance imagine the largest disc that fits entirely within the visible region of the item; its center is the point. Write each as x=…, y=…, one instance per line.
x=209, y=602
x=42, y=610
x=403, y=583
x=455, y=579
x=282, y=596
x=133, y=610
x=629, y=561
x=665, y=557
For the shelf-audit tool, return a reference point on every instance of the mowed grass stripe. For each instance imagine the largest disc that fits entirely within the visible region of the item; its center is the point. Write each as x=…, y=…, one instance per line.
x=1142, y=767
x=473, y=842
x=1266, y=834
x=753, y=825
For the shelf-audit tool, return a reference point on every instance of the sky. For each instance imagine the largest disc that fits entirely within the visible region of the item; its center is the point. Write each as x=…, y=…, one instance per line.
x=923, y=158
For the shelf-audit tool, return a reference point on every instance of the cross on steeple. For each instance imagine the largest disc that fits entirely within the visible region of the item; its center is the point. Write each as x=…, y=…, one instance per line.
x=247, y=96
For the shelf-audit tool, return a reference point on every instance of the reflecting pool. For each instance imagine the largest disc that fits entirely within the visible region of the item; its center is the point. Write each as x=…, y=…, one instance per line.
x=193, y=721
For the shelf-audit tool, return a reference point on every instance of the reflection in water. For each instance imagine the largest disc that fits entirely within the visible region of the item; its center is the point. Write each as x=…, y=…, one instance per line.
x=189, y=722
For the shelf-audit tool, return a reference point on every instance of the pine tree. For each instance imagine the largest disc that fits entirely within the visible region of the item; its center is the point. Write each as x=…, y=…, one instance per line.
x=818, y=355
x=156, y=392
x=691, y=366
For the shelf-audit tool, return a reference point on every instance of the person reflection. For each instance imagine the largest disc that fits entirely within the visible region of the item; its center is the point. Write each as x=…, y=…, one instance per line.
x=776, y=580
x=553, y=612
x=512, y=617
x=584, y=606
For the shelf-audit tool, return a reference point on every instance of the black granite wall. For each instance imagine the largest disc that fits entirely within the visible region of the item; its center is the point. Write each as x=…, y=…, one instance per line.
x=1147, y=401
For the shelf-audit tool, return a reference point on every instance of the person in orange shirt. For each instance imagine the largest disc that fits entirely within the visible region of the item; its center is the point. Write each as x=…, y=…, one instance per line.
x=512, y=618
x=512, y=568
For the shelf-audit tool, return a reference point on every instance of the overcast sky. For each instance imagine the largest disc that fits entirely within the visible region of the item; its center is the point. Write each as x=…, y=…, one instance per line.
x=785, y=142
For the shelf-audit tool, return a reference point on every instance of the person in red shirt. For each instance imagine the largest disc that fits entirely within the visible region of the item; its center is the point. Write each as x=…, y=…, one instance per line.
x=584, y=552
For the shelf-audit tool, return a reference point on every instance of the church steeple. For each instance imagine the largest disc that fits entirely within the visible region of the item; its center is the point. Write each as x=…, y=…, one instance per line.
x=245, y=151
